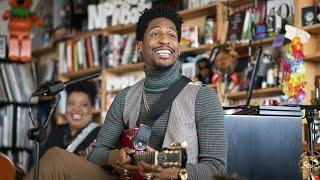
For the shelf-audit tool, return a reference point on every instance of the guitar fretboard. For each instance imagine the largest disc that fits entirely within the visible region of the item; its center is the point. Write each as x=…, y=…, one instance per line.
x=166, y=158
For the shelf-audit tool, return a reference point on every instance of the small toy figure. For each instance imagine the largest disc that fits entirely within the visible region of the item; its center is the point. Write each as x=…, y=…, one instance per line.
x=204, y=71
x=265, y=71
x=225, y=63
x=20, y=23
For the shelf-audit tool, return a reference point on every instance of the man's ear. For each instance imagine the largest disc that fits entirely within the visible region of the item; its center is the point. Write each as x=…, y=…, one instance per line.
x=139, y=47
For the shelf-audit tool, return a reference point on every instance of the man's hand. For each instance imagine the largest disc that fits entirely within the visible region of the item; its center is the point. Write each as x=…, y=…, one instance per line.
x=157, y=172
x=121, y=161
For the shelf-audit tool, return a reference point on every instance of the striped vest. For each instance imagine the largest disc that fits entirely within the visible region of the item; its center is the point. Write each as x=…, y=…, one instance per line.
x=181, y=125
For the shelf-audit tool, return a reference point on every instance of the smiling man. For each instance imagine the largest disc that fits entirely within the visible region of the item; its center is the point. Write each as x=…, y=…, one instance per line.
x=195, y=115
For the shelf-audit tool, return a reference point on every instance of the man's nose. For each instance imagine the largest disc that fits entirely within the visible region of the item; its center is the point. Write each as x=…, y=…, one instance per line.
x=164, y=39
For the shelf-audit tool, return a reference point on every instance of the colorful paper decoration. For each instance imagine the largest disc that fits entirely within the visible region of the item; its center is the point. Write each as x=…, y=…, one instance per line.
x=294, y=80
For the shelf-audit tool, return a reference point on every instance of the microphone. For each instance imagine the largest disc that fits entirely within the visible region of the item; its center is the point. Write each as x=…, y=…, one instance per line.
x=60, y=86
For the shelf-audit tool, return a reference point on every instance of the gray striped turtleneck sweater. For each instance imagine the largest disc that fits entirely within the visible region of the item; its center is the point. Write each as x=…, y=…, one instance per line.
x=209, y=121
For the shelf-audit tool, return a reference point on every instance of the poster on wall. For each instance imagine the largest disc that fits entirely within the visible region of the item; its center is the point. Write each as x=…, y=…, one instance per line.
x=282, y=8
x=279, y=12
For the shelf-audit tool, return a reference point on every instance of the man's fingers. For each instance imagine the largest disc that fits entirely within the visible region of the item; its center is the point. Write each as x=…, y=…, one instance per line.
x=141, y=169
x=129, y=150
x=149, y=149
x=150, y=167
x=145, y=166
x=131, y=168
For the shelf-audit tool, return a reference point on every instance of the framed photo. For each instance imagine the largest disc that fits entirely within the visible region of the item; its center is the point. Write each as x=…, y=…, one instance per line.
x=309, y=15
x=3, y=46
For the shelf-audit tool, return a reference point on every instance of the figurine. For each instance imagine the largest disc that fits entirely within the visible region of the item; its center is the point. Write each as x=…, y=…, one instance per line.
x=226, y=63
x=20, y=23
x=267, y=70
x=204, y=71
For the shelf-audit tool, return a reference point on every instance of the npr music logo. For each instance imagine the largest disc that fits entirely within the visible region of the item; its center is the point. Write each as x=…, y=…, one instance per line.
x=115, y=12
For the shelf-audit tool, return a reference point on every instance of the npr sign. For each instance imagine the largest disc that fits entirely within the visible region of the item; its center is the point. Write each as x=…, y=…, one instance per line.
x=111, y=13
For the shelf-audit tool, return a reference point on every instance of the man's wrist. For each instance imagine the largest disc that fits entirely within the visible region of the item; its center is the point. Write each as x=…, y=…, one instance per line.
x=175, y=174
x=111, y=159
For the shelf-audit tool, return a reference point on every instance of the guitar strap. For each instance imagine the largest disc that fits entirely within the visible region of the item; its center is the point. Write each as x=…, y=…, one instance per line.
x=82, y=136
x=142, y=139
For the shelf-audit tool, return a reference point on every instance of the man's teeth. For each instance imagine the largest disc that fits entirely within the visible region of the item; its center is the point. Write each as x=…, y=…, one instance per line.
x=76, y=116
x=163, y=52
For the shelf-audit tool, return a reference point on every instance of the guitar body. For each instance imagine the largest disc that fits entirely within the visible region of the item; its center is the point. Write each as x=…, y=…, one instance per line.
x=175, y=156
x=127, y=139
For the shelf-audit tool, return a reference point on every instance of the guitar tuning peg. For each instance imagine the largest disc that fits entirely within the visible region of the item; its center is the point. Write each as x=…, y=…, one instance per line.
x=174, y=144
x=182, y=144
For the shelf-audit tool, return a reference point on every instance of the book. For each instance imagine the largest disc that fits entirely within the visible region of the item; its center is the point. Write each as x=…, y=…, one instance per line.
x=235, y=26
x=189, y=37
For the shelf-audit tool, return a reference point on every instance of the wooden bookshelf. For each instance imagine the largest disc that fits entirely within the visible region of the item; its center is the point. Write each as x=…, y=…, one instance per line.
x=313, y=29
x=243, y=47
x=313, y=58
x=97, y=111
x=237, y=3
x=22, y=104
x=82, y=72
x=265, y=92
x=125, y=68
x=42, y=50
x=89, y=33
x=121, y=29
x=306, y=147
x=205, y=10
x=114, y=91
x=201, y=49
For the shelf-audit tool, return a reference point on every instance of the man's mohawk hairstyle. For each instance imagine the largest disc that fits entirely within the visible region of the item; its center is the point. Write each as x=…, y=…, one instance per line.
x=159, y=11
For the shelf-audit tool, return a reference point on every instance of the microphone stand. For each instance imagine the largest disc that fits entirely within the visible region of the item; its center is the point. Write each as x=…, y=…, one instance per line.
x=38, y=133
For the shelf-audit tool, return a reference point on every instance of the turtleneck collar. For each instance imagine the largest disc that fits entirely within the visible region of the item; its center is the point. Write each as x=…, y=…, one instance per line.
x=159, y=81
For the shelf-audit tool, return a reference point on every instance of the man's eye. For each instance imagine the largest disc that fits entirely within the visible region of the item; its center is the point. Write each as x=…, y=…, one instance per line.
x=155, y=34
x=85, y=105
x=172, y=35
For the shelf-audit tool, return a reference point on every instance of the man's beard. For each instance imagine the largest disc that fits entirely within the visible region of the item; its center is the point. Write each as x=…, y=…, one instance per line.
x=160, y=67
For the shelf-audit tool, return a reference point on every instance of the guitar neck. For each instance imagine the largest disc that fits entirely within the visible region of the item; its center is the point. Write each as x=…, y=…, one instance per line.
x=166, y=158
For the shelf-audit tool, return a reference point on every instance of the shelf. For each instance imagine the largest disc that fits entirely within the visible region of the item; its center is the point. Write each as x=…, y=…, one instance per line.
x=237, y=3
x=42, y=50
x=89, y=33
x=243, y=47
x=81, y=73
x=265, y=92
x=205, y=10
x=306, y=147
x=313, y=29
x=114, y=91
x=201, y=49
x=24, y=104
x=97, y=111
x=121, y=29
x=5, y=149
x=313, y=58
x=125, y=68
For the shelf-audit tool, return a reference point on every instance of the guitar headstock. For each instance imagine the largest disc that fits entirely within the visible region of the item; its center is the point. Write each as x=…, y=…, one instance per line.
x=175, y=156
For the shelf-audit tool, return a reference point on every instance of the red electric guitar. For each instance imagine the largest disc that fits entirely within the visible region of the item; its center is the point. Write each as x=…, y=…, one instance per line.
x=175, y=156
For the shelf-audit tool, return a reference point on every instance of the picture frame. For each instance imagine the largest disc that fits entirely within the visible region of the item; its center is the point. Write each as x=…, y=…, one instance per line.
x=309, y=15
